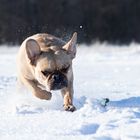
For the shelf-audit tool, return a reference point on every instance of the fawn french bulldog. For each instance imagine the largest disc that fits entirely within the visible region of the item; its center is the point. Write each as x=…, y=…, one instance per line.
x=44, y=63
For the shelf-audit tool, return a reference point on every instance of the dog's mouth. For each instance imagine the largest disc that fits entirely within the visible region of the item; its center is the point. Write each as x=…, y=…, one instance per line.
x=57, y=81
x=58, y=86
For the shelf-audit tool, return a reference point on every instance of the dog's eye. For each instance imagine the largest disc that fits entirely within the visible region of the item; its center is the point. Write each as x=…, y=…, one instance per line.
x=45, y=73
x=65, y=70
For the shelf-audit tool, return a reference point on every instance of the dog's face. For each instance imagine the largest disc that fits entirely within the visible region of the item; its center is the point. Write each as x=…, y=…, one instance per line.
x=53, y=67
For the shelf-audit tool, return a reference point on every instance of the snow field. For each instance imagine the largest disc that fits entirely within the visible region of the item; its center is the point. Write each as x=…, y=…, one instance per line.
x=100, y=71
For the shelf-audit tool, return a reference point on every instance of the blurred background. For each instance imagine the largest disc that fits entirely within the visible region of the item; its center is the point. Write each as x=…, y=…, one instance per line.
x=114, y=21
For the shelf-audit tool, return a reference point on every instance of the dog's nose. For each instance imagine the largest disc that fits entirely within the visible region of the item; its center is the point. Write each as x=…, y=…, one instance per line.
x=58, y=81
x=56, y=77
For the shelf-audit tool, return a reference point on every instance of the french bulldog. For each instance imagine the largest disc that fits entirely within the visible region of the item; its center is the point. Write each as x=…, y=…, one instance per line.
x=44, y=63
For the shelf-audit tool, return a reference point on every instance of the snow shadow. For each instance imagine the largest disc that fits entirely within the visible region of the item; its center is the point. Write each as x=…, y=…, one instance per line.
x=89, y=129
x=103, y=138
x=137, y=114
x=130, y=102
x=25, y=109
x=79, y=102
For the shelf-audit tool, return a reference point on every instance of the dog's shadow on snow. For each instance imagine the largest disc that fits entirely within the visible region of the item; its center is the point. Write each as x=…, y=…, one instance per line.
x=129, y=102
x=81, y=103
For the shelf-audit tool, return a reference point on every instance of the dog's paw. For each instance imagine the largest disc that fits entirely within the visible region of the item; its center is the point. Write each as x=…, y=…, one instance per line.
x=48, y=95
x=69, y=108
x=43, y=94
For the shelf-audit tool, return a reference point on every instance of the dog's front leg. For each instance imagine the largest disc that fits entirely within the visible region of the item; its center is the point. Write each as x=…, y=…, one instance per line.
x=67, y=94
x=37, y=91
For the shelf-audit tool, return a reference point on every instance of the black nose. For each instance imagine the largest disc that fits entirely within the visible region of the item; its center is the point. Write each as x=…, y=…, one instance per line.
x=56, y=77
x=58, y=81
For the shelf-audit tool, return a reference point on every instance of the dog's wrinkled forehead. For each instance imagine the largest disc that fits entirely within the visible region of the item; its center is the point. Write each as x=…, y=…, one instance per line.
x=53, y=59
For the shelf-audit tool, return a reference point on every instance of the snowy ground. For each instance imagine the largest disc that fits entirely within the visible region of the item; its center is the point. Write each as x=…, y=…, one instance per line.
x=100, y=71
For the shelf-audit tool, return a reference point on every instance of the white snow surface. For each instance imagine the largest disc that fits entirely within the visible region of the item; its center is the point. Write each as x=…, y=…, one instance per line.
x=100, y=71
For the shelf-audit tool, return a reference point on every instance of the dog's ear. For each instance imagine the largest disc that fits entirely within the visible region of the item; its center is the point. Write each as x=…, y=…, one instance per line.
x=70, y=47
x=32, y=50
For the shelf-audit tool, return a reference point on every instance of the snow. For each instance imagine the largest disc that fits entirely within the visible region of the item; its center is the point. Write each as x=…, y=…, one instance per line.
x=100, y=71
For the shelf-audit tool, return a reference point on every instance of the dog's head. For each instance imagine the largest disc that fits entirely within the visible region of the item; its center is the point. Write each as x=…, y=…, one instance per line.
x=52, y=67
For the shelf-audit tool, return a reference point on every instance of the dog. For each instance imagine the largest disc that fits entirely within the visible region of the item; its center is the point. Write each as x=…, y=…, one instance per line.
x=44, y=63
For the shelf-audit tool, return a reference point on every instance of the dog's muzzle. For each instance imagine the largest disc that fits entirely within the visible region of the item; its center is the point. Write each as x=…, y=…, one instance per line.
x=58, y=81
